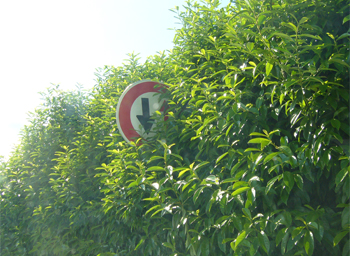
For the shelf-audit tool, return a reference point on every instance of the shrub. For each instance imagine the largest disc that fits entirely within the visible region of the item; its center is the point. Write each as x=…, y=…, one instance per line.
x=252, y=160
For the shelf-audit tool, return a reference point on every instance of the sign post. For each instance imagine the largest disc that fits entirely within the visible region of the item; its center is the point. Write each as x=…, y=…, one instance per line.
x=135, y=109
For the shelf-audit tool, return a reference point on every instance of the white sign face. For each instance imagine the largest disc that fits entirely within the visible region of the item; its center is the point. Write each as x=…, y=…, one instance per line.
x=143, y=108
x=135, y=108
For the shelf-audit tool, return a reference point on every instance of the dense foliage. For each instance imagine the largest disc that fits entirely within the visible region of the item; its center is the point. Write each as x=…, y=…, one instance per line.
x=253, y=159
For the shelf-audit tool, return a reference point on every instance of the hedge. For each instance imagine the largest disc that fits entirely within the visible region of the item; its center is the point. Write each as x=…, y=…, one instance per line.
x=253, y=158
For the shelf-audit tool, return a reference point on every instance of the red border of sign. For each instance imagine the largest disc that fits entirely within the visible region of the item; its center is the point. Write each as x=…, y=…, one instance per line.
x=131, y=93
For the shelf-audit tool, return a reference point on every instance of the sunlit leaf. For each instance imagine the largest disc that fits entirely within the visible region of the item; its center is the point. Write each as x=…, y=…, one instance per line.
x=239, y=191
x=269, y=67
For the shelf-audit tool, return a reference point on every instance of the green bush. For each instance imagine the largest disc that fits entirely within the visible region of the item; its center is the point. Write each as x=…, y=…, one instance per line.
x=252, y=160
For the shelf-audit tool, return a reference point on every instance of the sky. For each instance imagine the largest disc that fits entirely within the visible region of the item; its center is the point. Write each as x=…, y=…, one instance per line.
x=45, y=42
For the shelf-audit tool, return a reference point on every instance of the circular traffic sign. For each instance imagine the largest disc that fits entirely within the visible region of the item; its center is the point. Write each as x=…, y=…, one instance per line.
x=135, y=109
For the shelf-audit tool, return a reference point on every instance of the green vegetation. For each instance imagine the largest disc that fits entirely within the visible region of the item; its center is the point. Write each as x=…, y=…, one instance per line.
x=253, y=159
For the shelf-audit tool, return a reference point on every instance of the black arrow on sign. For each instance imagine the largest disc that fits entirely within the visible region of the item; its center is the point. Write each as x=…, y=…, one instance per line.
x=145, y=119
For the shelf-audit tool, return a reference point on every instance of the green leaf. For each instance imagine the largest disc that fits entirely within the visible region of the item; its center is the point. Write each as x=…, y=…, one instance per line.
x=311, y=36
x=299, y=180
x=239, y=191
x=274, y=131
x=288, y=179
x=222, y=219
x=240, y=238
x=284, y=195
x=259, y=141
x=250, y=198
x=252, y=63
x=169, y=245
x=345, y=217
x=153, y=208
x=341, y=176
x=257, y=134
x=347, y=18
x=270, y=156
x=280, y=235
x=303, y=20
x=287, y=218
x=153, y=158
x=269, y=67
x=258, y=159
x=232, y=244
x=221, y=157
x=133, y=184
x=183, y=172
x=335, y=123
x=229, y=180
x=150, y=199
x=177, y=156
x=254, y=178
x=200, y=165
x=261, y=19
x=339, y=237
x=309, y=243
x=155, y=168
x=343, y=36
x=297, y=231
x=280, y=35
x=252, y=149
x=197, y=193
x=156, y=212
x=270, y=183
x=211, y=178
x=236, y=166
x=239, y=184
x=290, y=25
x=264, y=241
x=290, y=83
x=286, y=150
x=252, y=251
x=284, y=243
x=58, y=174
x=226, y=240
x=247, y=213
x=250, y=46
x=339, y=111
x=339, y=61
x=337, y=136
x=273, y=168
x=228, y=129
x=141, y=242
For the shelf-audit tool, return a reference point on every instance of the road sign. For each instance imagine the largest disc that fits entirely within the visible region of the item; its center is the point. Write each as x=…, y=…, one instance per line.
x=135, y=109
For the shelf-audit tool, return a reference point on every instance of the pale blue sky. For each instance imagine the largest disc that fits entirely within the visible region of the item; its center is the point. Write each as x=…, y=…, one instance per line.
x=63, y=42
